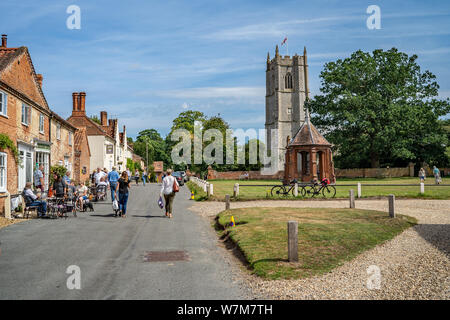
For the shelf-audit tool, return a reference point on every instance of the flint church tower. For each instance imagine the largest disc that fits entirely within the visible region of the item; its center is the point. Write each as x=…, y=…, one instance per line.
x=286, y=92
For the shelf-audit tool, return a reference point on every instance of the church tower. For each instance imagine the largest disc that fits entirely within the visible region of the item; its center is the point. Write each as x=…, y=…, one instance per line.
x=286, y=92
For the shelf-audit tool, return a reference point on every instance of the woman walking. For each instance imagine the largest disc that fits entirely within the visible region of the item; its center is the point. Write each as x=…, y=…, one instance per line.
x=136, y=176
x=122, y=189
x=422, y=175
x=167, y=189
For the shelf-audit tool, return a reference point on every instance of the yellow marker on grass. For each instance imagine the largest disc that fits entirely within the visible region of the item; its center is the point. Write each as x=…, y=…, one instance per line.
x=232, y=222
x=192, y=195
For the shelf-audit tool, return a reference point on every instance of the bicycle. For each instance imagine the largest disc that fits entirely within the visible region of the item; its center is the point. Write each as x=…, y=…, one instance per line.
x=284, y=190
x=328, y=191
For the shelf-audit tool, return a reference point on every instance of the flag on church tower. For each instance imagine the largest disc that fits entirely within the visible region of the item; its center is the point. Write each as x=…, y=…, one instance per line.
x=284, y=41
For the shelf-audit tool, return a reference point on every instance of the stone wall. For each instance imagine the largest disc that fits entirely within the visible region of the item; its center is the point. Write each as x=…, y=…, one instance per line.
x=374, y=172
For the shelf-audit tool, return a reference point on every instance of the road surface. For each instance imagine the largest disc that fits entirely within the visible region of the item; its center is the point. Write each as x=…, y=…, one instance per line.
x=111, y=254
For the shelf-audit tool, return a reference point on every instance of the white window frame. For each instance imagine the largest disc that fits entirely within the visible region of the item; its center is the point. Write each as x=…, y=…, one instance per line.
x=3, y=103
x=28, y=114
x=4, y=179
x=41, y=123
x=58, y=131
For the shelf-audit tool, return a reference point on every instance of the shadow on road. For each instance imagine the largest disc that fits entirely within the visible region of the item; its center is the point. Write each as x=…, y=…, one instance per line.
x=149, y=216
x=436, y=234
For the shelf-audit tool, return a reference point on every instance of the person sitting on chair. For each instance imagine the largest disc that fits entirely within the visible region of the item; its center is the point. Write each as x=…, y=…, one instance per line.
x=31, y=200
x=82, y=194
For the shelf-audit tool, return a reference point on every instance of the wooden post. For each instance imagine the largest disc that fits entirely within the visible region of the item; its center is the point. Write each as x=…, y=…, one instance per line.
x=236, y=190
x=359, y=189
x=8, y=206
x=292, y=241
x=352, y=199
x=211, y=189
x=296, y=190
x=422, y=188
x=392, y=206
x=208, y=191
x=227, y=202
x=204, y=187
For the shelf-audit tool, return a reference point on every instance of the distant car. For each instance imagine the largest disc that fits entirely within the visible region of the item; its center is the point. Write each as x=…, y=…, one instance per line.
x=184, y=175
x=179, y=177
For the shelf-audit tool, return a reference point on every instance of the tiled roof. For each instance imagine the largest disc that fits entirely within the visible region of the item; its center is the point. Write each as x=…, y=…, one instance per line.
x=308, y=135
x=7, y=55
x=92, y=128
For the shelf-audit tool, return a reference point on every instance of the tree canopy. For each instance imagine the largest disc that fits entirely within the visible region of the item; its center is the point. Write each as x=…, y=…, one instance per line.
x=380, y=109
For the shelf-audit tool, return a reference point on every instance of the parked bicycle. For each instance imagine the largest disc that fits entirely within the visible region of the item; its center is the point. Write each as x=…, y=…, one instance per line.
x=324, y=188
x=285, y=190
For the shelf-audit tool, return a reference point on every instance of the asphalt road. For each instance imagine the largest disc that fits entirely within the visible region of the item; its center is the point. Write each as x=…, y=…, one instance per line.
x=110, y=253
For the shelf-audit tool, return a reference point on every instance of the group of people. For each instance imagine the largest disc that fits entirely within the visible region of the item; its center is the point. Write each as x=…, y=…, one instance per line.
x=436, y=173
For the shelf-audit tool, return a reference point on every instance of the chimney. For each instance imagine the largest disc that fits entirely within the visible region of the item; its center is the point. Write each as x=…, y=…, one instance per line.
x=82, y=102
x=4, y=40
x=39, y=79
x=104, y=118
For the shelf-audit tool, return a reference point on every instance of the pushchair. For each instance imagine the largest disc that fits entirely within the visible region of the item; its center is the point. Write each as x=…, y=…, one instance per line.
x=100, y=193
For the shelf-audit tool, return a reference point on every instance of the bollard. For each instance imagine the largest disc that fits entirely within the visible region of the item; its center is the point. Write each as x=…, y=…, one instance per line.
x=296, y=190
x=208, y=191
x=227, y=202
x=292, y=241
x=204, y=187
x=236, y=190
x=392, y=206
x=211, y=189
x=422, y=188
x=352, y=199
x=359, y=190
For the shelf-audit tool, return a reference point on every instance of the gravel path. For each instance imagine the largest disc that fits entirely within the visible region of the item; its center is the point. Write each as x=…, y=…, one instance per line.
x=414, y=265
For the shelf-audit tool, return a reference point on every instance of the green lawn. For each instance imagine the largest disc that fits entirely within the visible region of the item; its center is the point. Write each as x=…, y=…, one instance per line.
x=223, y=187
x=327, y=237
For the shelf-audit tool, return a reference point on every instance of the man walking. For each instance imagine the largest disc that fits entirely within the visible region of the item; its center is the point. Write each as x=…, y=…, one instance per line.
x=66, y=178
x=437, y=175
x=113, y=178
x=39, y=182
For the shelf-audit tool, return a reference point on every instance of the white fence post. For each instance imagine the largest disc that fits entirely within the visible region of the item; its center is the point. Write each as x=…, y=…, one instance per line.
x=236, y=190
x=422, y=188
x=359, y=189
x=296, y=190
x=8, y=206
x=211, y=189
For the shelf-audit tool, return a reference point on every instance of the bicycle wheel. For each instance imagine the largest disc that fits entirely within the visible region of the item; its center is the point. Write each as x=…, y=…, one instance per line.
x=311, y=191
x=302, y=191
x=278, y=191
x=329, y=191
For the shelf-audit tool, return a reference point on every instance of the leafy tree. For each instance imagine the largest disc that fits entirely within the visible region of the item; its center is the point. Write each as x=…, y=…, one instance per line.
x=96, y=119
x=380, y=109
x=150, y=143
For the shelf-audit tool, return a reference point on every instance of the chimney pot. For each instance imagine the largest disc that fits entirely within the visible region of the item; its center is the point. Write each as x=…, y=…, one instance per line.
x=75, y=106
x=4, y=40
x=82, y=102
x=104, y=118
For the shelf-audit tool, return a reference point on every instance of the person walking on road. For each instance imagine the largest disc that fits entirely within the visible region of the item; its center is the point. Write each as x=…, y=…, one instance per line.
x=144, y=176
x=136, y=176
x=122, y=189
x=167, y=190
x=113, y=179
x=422, y=175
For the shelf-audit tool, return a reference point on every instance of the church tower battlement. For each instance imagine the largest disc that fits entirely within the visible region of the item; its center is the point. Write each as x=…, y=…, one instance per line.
x=287, y=88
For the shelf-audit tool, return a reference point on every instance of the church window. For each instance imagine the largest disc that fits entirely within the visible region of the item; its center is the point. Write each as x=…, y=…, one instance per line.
x=288, y=81
x=289, y=110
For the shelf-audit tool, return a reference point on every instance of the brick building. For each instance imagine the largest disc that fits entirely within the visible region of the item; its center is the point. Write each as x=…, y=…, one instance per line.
x=24, y=120
x=62, y=139
x=82, y=156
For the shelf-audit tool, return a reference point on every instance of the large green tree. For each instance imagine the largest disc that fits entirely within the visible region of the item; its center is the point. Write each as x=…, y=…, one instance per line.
x=149, y=143
x=380, y=109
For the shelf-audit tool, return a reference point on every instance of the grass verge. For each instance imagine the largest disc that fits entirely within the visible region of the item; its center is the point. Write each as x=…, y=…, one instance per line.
x=327, y=237
x=199, y=194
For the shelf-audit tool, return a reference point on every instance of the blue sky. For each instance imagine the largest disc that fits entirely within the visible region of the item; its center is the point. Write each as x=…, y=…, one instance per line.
x=146, y=61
